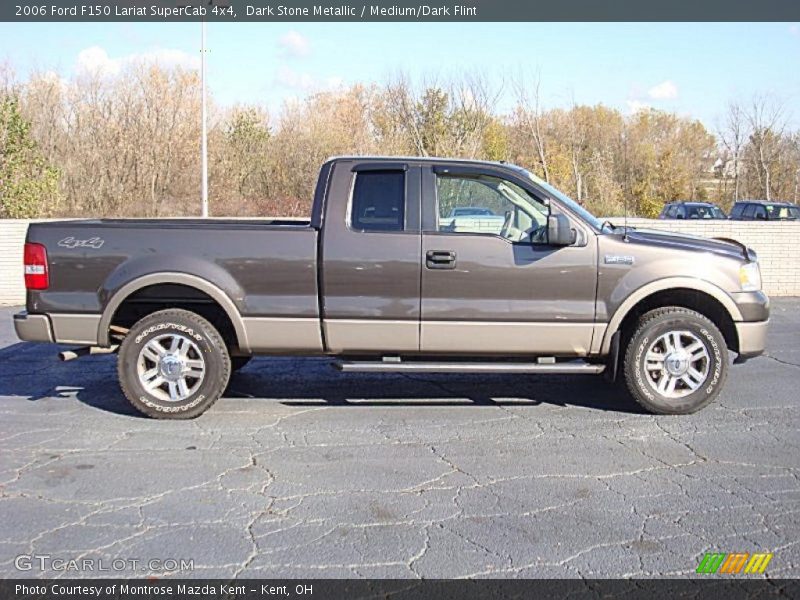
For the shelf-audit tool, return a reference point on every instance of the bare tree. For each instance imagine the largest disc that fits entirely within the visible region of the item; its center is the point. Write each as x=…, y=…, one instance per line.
x=734, y=134
x=529, y=114
x=576, y=128
x=403, y=111
x=8, y=79
x=767, y=123
x=473, y=105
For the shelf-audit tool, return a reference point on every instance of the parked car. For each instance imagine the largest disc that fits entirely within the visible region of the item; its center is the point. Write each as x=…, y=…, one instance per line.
x=473, y=219
x=692, y=210
x=376, y=281
x=471, y=211
x=765, y=210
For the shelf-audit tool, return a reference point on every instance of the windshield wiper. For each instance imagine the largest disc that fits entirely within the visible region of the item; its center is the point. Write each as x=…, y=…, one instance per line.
x=611, y=226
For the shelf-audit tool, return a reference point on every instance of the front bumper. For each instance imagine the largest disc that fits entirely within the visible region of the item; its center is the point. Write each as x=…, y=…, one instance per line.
x=33, y=328
x=752, y=339
x=752, y=330
x=754, y=306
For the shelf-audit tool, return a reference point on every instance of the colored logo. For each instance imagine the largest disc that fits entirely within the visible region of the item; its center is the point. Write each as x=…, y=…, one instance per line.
x=733, y=563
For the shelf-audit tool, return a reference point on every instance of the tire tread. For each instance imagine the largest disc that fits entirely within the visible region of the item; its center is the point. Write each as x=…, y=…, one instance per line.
x=216, y=341
x=642, y=324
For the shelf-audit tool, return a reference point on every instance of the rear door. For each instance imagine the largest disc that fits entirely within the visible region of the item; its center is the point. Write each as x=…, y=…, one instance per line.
x=371, y=260
x=490, y=282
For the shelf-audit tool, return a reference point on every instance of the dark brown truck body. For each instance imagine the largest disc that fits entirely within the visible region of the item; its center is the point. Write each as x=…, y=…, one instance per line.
x=411, y=282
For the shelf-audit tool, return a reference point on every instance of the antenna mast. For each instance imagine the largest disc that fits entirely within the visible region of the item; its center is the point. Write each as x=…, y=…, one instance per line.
x=204, y=133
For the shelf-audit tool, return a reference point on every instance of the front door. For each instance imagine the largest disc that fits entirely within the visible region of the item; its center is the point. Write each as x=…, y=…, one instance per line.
x=490, y=282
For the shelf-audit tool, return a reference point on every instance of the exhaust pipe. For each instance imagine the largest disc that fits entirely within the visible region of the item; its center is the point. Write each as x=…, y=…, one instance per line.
x=67, y=355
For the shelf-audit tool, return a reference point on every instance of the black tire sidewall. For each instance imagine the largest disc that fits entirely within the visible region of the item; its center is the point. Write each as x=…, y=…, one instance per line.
x=199, y=332
x=707, y=332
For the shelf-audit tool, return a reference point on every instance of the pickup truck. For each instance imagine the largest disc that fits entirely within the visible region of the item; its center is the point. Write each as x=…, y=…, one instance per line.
x=380, y=281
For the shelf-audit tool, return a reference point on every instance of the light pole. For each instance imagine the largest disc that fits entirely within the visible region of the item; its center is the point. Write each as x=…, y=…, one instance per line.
x=204, y=132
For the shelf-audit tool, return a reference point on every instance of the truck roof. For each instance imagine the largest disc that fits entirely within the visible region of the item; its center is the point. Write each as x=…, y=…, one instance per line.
x=424, y=159
x=765, y=202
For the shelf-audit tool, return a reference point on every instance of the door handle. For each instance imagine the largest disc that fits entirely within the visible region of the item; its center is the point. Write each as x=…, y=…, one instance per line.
x=440, y=259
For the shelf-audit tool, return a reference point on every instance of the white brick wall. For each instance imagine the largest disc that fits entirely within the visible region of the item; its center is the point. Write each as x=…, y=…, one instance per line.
x=12, y=237
x=777, y=244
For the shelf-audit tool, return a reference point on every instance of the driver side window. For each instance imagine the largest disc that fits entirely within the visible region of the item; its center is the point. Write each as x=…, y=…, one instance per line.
x=489, y=205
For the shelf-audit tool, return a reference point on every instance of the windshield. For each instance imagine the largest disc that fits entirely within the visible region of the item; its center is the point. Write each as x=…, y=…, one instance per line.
x=564, y=199
x=783, y=213
x=704, y=212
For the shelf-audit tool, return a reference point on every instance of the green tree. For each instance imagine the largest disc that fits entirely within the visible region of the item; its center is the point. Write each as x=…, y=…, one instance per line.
x=433, y=120
x=495, y=140
x=28, y=185
x=247, y=136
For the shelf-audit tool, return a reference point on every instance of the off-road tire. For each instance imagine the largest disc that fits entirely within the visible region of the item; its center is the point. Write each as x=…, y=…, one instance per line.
x=206, y=339
x=649, y=327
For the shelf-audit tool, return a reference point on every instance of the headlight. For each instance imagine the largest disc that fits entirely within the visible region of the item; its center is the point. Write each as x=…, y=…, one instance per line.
x=750, y=277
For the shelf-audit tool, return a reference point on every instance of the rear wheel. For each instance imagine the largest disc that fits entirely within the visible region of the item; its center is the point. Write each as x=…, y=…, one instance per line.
x=173, y=364
x=676, y=361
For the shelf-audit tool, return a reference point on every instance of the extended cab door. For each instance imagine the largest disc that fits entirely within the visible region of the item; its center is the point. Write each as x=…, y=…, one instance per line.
x=491, y=284
x=371, y=258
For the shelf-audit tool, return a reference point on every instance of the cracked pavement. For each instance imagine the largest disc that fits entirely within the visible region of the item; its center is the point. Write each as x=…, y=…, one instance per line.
x=300, y=471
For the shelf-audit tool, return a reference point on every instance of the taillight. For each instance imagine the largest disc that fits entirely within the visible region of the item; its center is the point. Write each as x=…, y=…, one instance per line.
x=36, y=273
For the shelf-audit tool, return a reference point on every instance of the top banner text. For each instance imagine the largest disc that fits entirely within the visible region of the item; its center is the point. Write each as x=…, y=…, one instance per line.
x=398, y=10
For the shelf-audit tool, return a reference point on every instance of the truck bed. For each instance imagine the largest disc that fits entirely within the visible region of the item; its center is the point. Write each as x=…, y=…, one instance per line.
x=267, y=267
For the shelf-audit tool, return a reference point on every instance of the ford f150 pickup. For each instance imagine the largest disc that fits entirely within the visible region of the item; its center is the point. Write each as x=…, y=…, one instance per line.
x=388, y=275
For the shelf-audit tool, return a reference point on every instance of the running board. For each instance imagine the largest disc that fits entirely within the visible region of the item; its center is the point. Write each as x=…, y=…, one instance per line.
x=565, y=368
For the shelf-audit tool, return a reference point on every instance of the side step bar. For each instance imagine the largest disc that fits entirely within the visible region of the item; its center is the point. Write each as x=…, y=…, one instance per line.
x=67, y=355
x=565, y=368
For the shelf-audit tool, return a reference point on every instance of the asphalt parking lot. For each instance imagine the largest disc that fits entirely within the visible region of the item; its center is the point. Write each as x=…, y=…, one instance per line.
x=304, y=472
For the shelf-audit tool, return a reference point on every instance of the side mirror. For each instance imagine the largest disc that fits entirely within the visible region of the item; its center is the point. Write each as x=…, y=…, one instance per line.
x=559, y=231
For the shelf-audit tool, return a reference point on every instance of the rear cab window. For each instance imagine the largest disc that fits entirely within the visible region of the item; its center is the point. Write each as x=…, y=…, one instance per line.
x=379, y=200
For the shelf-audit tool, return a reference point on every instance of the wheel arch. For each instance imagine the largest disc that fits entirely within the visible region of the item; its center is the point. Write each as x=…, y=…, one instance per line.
x=222, y=299
x=695, y=294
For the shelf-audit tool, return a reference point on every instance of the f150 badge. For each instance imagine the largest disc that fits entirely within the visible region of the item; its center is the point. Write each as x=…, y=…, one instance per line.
x=71, y=242
x=617, y=259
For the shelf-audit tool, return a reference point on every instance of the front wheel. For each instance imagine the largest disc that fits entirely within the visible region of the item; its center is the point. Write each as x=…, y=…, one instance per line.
x=173, y=364
x=676, y=361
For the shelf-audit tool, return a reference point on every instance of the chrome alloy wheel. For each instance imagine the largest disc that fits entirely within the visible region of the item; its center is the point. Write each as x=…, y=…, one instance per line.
x=677, y=363
x=171, y=367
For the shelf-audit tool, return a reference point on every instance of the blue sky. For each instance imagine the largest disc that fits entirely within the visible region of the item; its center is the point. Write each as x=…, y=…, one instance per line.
x=691, y=68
